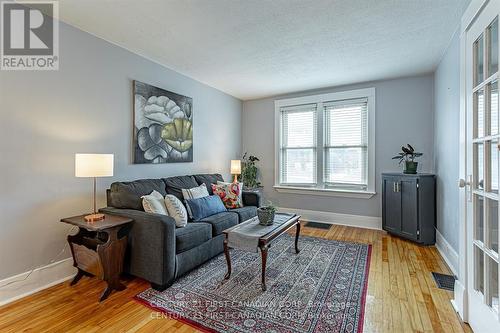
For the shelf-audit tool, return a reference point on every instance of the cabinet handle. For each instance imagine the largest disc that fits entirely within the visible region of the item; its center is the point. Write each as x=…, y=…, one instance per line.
x=398, y=186
x=394, y=187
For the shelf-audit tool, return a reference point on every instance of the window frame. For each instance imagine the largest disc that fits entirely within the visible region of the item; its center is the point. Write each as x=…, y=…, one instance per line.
x=319, y=188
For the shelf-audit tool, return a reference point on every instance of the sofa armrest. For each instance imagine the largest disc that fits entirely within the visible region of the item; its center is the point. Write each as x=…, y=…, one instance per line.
x=251, y=198
x=151, y=245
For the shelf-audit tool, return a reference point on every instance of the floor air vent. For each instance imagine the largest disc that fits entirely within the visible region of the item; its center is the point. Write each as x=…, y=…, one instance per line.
x=318, y=225
x=444, y=281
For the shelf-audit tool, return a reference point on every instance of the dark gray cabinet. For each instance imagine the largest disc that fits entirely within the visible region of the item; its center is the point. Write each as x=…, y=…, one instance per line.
x=409, y=206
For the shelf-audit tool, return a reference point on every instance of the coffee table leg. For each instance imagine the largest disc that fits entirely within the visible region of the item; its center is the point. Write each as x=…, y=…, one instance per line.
x=228, y=260
x=263, y=252
x=297, y=233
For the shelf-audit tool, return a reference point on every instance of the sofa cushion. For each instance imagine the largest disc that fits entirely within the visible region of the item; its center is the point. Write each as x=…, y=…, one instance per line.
x=176, y=184
x=221, y=222
x=192, y=235
x=245, y=213
x=128, y=195
x=208, y=179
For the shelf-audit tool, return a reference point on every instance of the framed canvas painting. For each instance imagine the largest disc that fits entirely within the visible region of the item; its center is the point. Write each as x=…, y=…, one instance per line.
x=163, y=125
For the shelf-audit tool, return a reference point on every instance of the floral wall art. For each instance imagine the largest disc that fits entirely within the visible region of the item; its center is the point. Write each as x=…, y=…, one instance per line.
x=163, y=125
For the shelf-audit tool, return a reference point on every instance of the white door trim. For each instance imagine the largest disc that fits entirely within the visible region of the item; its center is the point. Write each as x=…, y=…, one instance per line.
x=465, y=299
x=460, y=301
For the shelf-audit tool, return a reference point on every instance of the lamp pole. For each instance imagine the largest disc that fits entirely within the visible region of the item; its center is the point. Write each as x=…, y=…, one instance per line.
x=95, y=206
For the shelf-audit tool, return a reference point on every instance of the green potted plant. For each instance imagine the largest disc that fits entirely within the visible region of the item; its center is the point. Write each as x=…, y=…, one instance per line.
x=249, y=171
x=266, y=214
x=408, y=155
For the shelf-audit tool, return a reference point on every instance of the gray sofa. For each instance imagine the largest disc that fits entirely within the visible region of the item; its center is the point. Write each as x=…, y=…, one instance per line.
x=159, y=252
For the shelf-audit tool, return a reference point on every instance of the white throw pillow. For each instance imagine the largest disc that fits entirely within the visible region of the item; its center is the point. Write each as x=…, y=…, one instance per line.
x=154, y=203
x=194, y=193
x=176, y=210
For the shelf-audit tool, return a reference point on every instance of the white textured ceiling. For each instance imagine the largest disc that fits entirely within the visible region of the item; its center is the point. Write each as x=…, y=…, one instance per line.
x=257, y=48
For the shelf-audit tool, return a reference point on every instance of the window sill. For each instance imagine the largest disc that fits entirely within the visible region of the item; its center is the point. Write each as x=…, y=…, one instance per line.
x=325, y=192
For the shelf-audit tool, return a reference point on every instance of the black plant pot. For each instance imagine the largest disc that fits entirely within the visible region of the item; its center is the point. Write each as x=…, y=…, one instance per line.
x=411, y=167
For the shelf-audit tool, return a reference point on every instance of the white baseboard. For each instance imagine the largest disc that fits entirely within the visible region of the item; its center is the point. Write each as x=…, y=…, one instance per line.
x=360, y=221
x=449, y=255
x=22, y=285
x=459, y=300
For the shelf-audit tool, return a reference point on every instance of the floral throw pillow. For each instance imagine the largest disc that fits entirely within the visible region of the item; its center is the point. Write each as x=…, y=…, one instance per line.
x=241, y=189
x=230, y=194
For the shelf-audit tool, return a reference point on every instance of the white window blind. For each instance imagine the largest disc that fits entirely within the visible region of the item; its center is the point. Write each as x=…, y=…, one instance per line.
x=298, y=144
x=346, y=144
x=326, y=143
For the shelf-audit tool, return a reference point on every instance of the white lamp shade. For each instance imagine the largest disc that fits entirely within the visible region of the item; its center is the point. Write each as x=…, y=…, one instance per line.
x=94, y=165
x=235, y=167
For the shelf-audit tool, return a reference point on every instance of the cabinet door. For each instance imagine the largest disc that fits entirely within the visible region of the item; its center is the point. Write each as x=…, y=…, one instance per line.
x=409, y=205
x=392, y=205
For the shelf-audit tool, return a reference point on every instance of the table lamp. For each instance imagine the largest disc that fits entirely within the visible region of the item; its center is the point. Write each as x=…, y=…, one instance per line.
x=93, y=166
x=235, y=169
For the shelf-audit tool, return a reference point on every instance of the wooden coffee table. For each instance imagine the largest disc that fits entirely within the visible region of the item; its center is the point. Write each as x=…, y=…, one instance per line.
x=263, y=242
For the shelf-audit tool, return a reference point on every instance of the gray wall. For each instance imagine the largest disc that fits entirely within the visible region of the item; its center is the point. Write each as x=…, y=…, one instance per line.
x=86, y=106
x=446, y=141
x=404, y=114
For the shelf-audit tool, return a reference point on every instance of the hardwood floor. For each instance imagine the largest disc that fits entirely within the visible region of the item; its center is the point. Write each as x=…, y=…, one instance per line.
x=402, y=296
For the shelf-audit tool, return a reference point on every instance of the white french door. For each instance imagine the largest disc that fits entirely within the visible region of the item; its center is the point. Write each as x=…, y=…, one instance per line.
x=483, y=145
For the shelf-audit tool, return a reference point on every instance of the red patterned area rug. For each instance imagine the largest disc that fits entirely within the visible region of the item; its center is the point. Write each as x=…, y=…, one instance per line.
x=321, y=289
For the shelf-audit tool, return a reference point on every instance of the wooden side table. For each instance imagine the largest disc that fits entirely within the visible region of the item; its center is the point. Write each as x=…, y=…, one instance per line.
x=98, y=250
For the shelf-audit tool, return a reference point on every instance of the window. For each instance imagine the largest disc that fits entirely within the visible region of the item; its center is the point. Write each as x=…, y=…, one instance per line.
x=298, y=157
x=325, y=143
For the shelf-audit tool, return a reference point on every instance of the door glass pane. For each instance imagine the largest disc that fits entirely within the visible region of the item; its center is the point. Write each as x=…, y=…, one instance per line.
x=493, y=224
x=479, y=60
x=493, y=167
x=479, y=219
x=479, y=100
x=494, y=108
x=493, y=284
x=479, y=181
x=493, y=48
x=479, y=270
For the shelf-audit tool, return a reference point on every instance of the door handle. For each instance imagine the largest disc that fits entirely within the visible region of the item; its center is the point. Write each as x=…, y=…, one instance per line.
x=462, y=183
